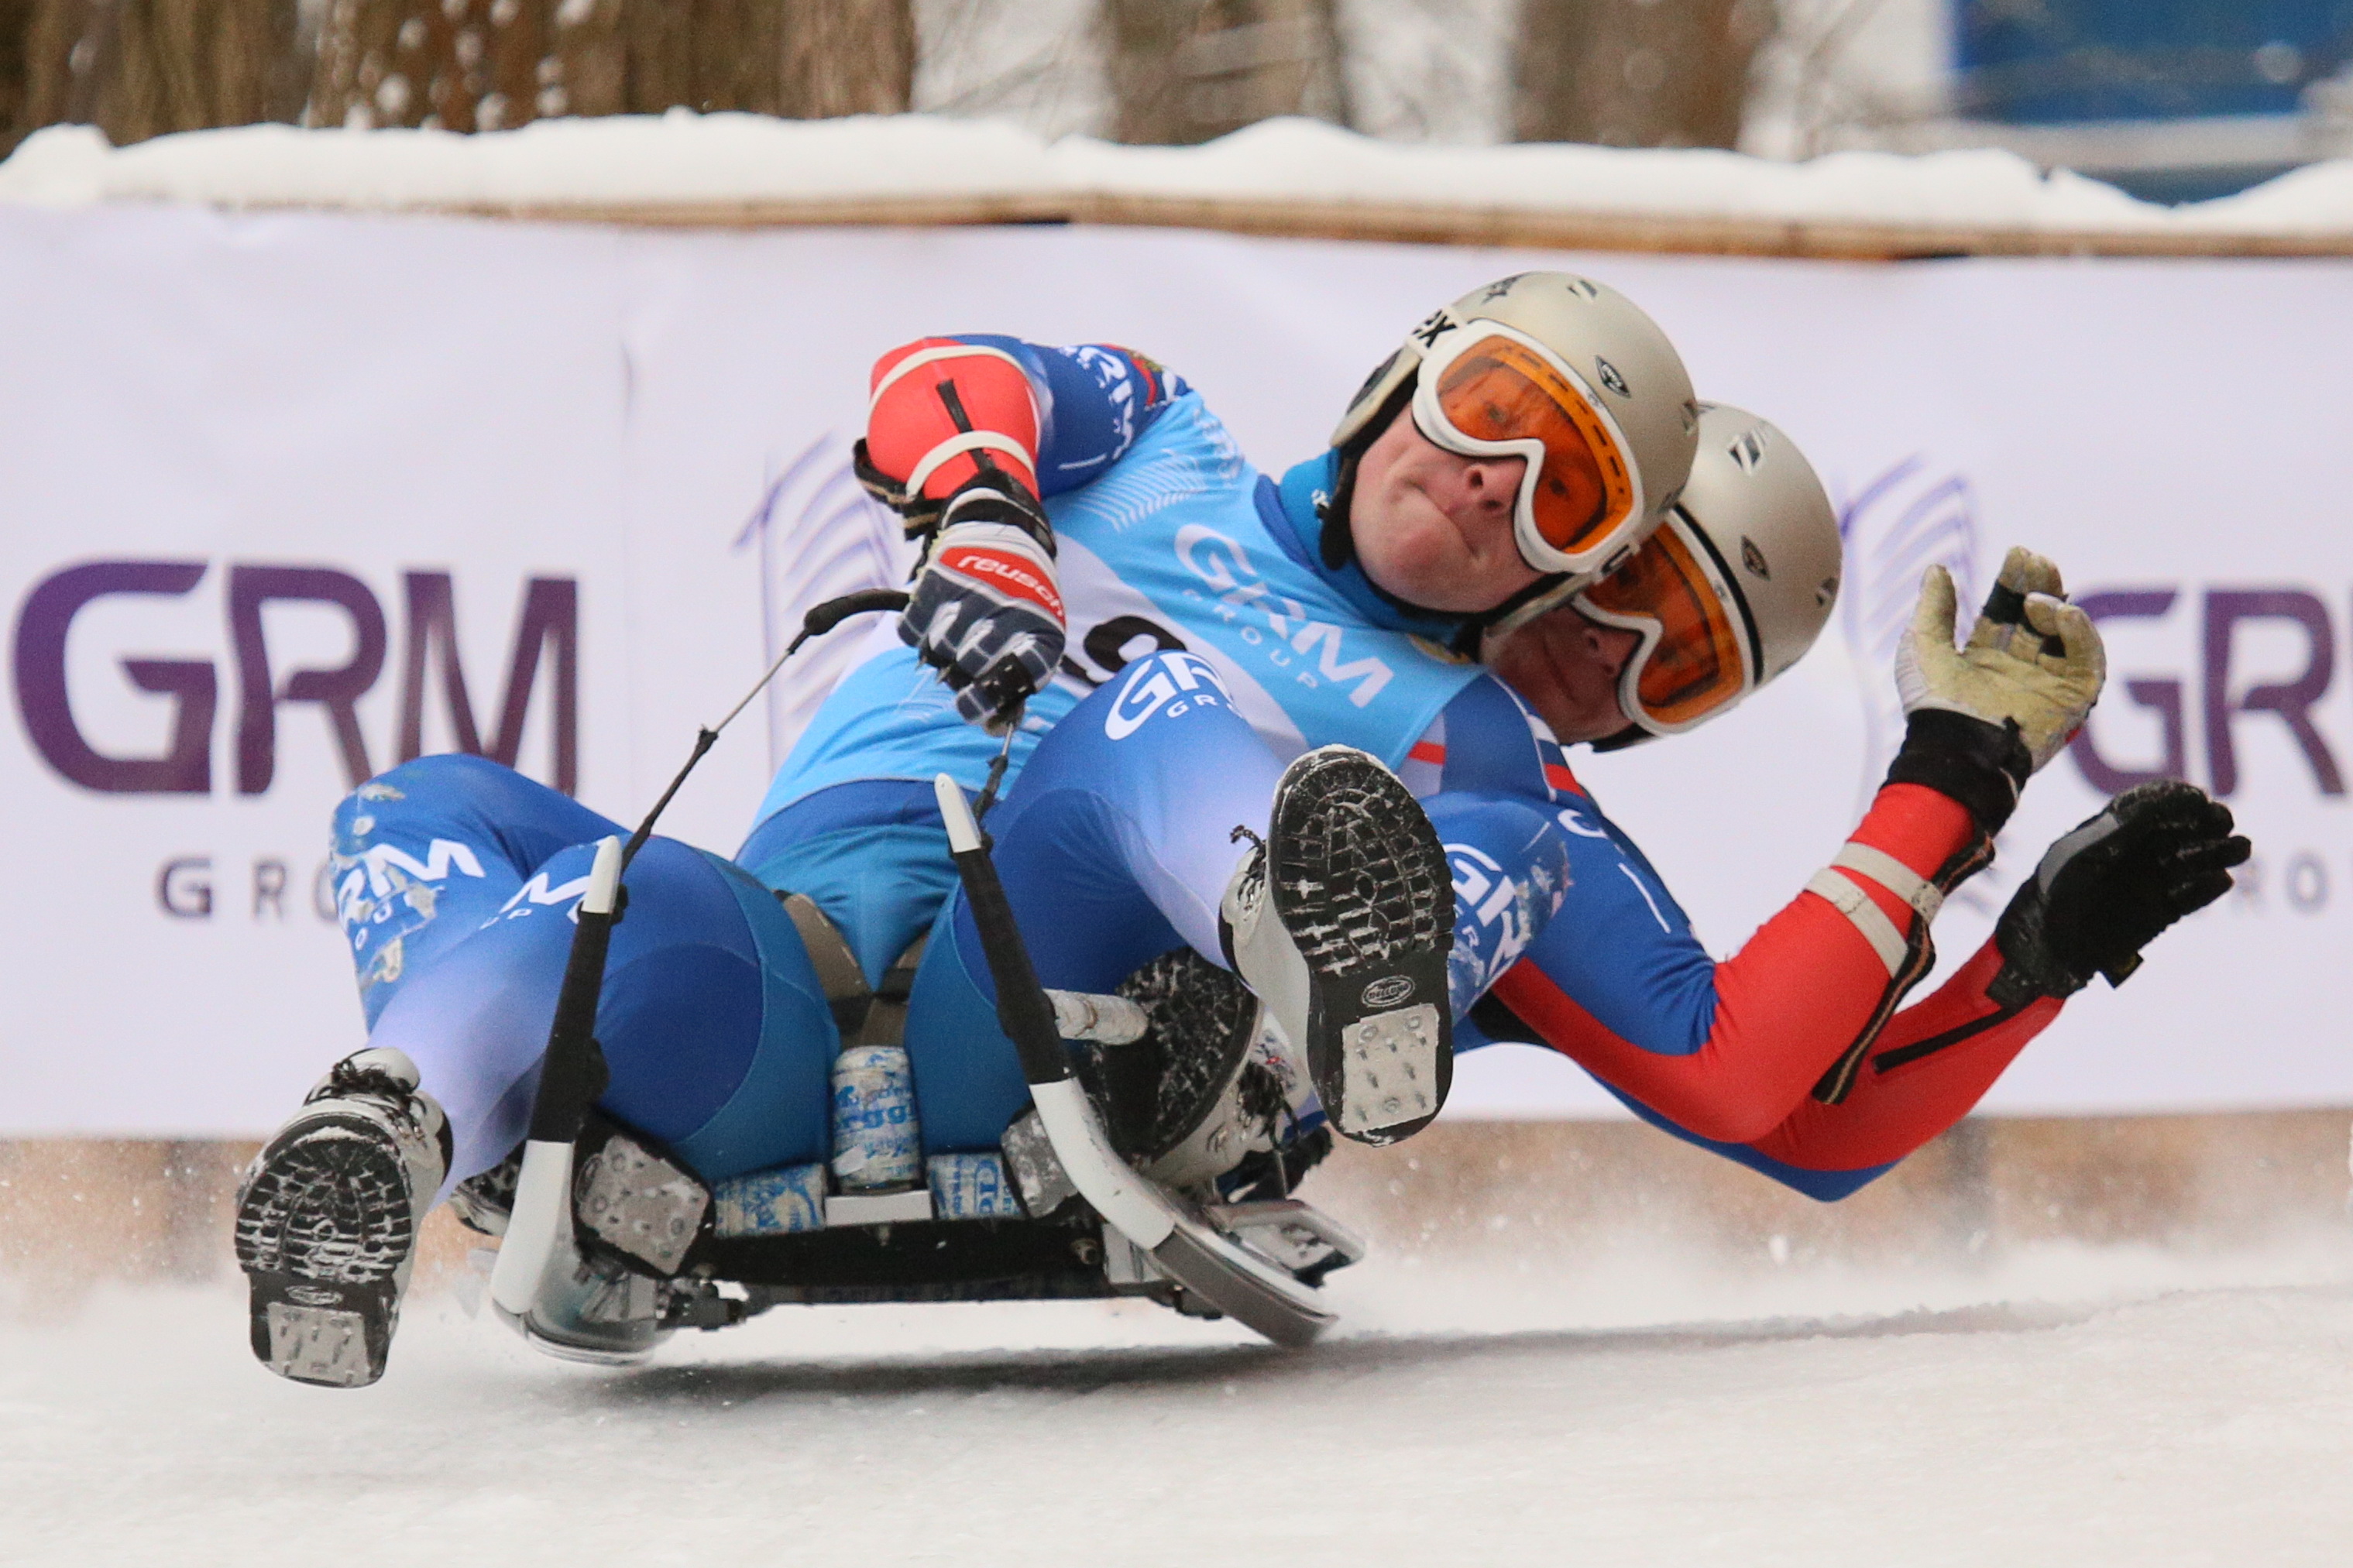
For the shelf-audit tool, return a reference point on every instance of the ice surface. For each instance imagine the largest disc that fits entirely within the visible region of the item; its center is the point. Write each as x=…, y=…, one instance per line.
x=2062, y=1408
x=682, y=159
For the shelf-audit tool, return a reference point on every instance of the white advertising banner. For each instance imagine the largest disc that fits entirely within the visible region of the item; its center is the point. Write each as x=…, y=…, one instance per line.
x=288, y=499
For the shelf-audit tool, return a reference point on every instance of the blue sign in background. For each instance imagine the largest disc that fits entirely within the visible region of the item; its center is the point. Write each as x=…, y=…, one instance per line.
x=2040, y=62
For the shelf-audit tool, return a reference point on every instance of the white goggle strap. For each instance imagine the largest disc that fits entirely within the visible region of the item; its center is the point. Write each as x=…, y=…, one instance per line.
x=1866, y=917
x=1728, y=597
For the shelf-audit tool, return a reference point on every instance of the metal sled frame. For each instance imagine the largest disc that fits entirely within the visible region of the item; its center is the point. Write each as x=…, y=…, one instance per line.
x=1153, y=1242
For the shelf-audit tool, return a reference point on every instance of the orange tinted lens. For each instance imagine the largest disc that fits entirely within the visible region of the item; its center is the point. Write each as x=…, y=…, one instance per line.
x=1695, y=667
x=1500, y=390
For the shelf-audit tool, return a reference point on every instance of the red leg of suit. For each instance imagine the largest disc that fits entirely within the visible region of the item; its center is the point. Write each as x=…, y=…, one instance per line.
x=1926, y=1070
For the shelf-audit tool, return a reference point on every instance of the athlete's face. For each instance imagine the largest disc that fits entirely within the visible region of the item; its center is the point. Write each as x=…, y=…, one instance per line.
x=1568, y=668
x=1435, y=527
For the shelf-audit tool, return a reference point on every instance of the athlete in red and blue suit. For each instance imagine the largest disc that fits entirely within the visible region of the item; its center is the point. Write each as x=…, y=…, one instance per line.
x=1784, y=1056
x=1790, y=1056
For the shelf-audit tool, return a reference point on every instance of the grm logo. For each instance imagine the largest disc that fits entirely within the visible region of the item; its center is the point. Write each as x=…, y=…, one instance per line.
x=1173, y=680
x=548, y=623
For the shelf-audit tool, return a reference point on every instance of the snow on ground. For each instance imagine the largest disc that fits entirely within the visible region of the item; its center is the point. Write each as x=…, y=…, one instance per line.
x=2063, y=1406
x=684, y=160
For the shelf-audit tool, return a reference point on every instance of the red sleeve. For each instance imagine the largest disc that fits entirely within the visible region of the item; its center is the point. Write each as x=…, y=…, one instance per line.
x=1928, y=1070
x=1794, y=1008
x=940, y=403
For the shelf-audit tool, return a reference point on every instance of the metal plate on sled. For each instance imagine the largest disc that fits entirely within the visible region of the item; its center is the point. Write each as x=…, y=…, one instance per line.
x=1037, y=1173
x=639, y=1202
x=1288, y=1234
x=877, y=1209
x=1128, y=1268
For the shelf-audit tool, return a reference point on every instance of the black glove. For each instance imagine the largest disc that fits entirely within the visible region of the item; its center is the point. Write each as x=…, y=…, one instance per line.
x=986, y=608
x=2103, y=892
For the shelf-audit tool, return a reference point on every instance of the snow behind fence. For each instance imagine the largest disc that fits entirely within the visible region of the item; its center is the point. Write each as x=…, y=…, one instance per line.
x=1283, y=176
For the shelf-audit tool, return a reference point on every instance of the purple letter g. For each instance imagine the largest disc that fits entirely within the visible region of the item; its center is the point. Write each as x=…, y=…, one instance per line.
x=41, y=628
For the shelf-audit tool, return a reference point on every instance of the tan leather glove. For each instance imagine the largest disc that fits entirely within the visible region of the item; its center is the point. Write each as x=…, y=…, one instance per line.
x=2032, y=659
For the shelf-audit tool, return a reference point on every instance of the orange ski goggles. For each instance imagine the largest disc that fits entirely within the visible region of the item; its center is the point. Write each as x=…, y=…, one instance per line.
x=1699, y=653
x=1487, y=389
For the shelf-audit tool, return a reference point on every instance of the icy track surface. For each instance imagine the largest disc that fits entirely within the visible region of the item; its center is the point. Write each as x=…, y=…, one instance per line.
x=2064, y=1408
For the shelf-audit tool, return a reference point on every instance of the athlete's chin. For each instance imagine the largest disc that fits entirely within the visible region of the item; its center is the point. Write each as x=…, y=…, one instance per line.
x=1572, y=716
x=1411, y=560
x=1576, y=702
x=1435, y=581
x=1413, y=549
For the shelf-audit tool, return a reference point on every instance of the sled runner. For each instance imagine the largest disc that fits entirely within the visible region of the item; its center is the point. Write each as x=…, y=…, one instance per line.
x=611, y=1241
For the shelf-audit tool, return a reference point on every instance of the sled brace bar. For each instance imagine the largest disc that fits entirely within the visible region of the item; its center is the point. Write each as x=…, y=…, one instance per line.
x=1181, y=1241
x=540, y=1251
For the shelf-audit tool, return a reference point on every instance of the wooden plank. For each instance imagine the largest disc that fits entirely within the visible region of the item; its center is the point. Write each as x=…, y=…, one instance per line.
x=1563, y=230
x=1421, y=224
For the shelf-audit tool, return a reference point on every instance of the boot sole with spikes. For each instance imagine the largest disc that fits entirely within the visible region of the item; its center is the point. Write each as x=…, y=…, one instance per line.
x=1359, y=883
x=326, y=1230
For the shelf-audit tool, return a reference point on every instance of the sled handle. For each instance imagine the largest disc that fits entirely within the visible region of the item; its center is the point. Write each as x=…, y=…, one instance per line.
x=1022, y=1010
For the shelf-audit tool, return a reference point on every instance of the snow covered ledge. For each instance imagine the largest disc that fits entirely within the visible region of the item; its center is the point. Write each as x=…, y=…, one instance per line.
x=1284, y=176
